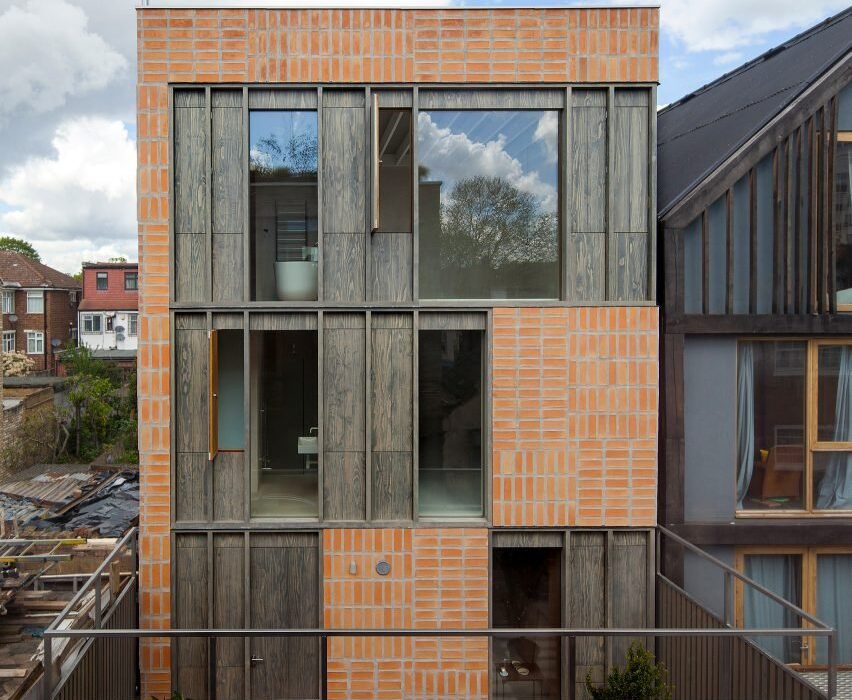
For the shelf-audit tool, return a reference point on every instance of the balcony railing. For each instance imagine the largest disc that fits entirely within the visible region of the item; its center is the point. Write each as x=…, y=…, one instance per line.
x=708, y=657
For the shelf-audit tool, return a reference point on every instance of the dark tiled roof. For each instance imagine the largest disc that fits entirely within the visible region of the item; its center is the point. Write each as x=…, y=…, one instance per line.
x=701, y=131
x=19, y=269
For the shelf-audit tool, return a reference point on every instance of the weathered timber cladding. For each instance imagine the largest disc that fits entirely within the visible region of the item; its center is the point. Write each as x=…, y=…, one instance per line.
x=778, y=221
x=586, y=249
x=284, y=593
x=344, y=417
x=191, y=608
x=343, y=266
x=391, y=397
x=391, y=267
x=191, y=146
x=343, y=169
x=229, y=613
x=229, y=486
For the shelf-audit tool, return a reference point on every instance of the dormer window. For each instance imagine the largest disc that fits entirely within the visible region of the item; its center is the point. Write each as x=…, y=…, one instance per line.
x=101, y=281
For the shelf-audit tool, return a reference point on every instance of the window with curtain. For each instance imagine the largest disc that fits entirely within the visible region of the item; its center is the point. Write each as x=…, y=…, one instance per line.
x=781, y=574
x=794, y=426
x=815, y=579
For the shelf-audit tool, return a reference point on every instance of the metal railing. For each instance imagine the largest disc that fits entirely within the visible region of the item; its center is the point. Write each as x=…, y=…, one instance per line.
x=116, y=609
x=672, y=641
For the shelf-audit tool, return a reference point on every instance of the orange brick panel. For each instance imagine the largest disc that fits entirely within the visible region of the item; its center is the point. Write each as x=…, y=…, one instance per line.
x=438, y=578
x=574, y=413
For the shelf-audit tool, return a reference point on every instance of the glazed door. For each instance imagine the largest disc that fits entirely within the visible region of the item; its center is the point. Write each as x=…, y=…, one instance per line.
x=284, y=594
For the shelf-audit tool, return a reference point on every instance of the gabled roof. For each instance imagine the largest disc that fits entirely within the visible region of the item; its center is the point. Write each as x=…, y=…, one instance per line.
x=19, y=270
x=702, y=130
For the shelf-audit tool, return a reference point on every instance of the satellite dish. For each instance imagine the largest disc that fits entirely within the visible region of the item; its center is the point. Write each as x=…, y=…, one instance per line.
x=119, y=329
x=13, y=318
x=119, y=336
x=55, y=342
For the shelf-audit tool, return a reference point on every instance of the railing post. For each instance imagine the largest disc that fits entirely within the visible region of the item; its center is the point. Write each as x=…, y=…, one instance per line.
x=727, y=617
x=832, y=664
x=48, y=667
x=211, y=660
x=98, y=601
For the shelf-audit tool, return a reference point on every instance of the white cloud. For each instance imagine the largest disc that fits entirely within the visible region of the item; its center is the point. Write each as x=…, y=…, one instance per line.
x=47, y=54
x=454, y=156
x=724, y=25
x=79, y=203
x=728, y=58
x=547, y=131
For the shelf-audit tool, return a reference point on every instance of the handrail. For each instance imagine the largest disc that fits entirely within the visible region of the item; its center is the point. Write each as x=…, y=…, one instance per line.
x=95, y=576
x=473, y=632
x=742, y=577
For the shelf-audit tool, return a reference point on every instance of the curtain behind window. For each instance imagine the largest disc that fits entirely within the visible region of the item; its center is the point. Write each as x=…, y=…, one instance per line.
x=834, y=603
x=781, y=574
x=745, y=419
x=835, y=489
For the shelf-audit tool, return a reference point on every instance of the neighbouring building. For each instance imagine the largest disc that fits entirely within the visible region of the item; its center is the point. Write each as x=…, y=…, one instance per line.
x=398, y=343
x=755, y=220
x=109, y=310
x=39, y=306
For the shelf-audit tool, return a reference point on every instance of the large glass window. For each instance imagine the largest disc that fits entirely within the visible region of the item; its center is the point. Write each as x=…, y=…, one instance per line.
x=843, y=200
x=794, y=425
x=450, y=429
x=488, y=204
x=526, y=592
x=283, y=165
x=284, y=424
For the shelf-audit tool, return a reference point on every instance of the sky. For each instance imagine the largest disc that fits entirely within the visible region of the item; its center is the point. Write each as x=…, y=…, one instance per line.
x=67, y=104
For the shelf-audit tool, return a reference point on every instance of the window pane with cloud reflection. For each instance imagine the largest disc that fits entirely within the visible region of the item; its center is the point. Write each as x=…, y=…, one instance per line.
x=488, y=210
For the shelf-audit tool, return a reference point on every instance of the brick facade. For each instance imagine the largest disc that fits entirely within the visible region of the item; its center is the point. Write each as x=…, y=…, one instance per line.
x=353, y=46
x=115, y=296
x=438, y=578
x=575, y=416
x=57, y=321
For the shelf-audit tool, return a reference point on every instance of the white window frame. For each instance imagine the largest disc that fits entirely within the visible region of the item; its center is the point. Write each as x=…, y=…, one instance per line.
x=90, y=318
x=8, y=301
x=7, y=336
x=109, y=324
x=36, y=338
x=31, y=297
x=133, y=325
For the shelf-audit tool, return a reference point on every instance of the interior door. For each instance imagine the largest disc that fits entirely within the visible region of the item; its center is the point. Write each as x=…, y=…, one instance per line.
x=284, y=594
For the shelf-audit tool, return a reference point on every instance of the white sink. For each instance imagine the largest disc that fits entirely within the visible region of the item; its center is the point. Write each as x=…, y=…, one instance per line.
x=308, y=445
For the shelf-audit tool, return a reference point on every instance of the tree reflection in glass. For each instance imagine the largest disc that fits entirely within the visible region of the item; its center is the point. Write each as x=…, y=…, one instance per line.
x=489, y=204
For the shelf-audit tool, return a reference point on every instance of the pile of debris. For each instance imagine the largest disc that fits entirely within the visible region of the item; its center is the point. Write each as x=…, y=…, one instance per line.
x=38, y=579
x=87, y=502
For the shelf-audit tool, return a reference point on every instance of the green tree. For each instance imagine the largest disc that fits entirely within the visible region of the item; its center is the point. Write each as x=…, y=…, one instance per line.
x=19, y=245
x=118, y=259
x=640, y=679
x=490, y=221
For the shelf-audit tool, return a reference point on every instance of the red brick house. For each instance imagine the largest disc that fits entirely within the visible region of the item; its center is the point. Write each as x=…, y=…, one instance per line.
x=109, y=310
x=39, y=306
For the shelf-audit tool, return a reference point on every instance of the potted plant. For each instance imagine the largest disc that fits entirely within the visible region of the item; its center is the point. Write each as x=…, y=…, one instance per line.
x=640, y=679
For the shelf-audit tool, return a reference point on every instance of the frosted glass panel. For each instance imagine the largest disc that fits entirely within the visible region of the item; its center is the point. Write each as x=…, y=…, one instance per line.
x=231, y=413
